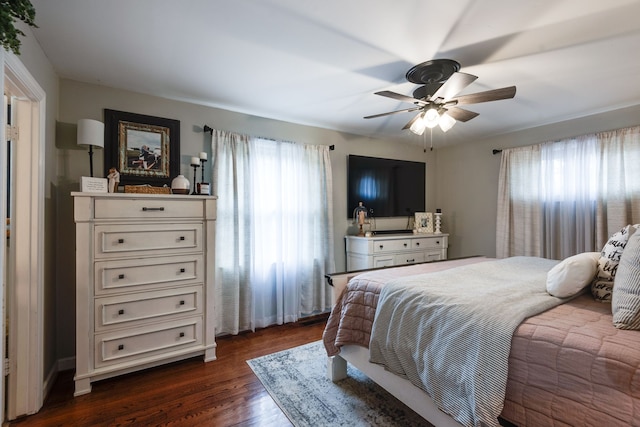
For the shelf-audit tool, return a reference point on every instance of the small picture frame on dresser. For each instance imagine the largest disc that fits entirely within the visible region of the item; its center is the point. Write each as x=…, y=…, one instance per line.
x=424, y=222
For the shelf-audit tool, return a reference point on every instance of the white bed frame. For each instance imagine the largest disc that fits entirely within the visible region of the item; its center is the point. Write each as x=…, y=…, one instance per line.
x=412, y=396
x=401, y=388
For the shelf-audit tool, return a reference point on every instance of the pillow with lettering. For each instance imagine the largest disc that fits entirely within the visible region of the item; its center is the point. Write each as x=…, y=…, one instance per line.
x=602, y=285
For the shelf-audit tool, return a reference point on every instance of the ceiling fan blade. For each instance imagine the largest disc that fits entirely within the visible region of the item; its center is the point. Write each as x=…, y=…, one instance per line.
x=408, y=125
x=486, y=96
x=400, y=97
x=453, y=85
x=392, y=112
x=460, y=114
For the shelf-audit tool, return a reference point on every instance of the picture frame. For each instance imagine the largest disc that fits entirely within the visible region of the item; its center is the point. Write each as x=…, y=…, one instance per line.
x=424, y=222
x=144, y=149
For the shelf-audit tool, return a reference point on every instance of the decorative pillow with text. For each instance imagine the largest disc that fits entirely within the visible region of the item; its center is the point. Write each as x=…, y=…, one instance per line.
x=602, y=285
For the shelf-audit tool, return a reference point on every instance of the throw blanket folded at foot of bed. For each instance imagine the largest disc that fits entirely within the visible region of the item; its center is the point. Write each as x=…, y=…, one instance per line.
x=450, y=332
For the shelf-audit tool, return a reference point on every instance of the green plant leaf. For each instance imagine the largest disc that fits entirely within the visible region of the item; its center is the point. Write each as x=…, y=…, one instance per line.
x=10, y=10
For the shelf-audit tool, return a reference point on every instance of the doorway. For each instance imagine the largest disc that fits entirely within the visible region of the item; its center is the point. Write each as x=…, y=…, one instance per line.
x=22, y=260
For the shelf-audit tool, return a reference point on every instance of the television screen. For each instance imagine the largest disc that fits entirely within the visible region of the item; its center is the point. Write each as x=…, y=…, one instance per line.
x=389, y=187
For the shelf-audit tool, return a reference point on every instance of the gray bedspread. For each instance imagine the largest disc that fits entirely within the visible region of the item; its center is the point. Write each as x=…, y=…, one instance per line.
x=450, y=332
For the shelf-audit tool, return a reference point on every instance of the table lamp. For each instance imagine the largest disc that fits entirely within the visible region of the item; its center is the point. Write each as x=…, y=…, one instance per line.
x=91, y=133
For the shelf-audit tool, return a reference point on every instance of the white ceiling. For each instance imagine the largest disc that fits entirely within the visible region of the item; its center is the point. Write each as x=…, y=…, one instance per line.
x=318, y=63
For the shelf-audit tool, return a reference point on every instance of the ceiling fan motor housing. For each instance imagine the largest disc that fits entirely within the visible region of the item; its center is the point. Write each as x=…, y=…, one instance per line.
x=434, y=71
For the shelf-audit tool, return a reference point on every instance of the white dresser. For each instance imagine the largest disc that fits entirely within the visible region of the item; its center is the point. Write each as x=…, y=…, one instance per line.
x=144, y=282
x=394, y=249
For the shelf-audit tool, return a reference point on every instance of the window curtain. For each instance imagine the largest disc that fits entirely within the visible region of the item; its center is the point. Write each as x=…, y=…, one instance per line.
x=274, y=231
x=561, y=198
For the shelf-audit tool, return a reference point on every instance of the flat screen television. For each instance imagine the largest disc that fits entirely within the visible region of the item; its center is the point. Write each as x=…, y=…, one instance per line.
x=389, y=187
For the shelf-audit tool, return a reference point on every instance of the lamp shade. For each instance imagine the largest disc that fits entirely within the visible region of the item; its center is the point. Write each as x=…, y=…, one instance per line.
x=90, y=132
x=446, y=122
x=431, y=118
x=418, y=125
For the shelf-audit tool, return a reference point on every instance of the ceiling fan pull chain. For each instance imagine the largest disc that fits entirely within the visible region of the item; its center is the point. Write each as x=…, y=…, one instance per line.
x=431, y=133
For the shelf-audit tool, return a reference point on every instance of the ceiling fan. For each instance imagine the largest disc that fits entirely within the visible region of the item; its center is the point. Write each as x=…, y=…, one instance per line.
x=436, y=101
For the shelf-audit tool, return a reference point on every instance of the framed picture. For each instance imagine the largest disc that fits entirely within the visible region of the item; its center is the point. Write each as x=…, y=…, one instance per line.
x=424, y=222
x=144, y=149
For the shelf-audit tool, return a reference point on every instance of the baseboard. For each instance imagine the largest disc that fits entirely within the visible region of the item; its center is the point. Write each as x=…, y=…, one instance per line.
x=66, y=364
x=313, y=319
x=50, y=379
x=61, y=365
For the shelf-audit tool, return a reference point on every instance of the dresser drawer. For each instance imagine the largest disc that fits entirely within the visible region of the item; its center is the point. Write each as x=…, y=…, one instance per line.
x=382, y=246
x=135, y=309
x=130, y=240
x=427, y=243
x=408, y=258
x=435, y=256
x=133, y=345
x=148, y=208
x=142, y=274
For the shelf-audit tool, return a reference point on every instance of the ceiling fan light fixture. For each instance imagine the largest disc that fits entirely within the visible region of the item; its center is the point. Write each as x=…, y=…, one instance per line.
x=431, y=118
x=418, y=126
x=446, y=122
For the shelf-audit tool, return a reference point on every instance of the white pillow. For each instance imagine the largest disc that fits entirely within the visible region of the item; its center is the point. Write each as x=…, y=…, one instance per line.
x=572, y=275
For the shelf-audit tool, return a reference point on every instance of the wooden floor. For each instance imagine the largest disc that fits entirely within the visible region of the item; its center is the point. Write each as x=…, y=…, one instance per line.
x=221, y=393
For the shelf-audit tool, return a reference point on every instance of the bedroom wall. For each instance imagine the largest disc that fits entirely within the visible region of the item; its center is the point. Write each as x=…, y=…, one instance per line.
x=81, y=100
x=463, y=185
x=467, y=178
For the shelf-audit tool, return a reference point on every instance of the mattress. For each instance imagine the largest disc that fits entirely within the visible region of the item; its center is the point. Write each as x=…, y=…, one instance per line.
x=567, y=366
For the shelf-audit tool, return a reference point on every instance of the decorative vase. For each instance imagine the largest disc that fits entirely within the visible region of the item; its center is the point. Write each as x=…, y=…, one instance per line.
x=180, y=185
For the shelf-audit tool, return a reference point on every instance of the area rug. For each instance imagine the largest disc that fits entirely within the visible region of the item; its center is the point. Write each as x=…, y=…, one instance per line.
x=297, y=380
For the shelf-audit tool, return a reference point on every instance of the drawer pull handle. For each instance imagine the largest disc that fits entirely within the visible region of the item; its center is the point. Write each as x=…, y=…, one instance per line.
x=181, y=237
x=120, y=241
x=120, y=276
x=381, y=246
x=417, y=243
x=181, y=334
x=182, y=270
x=181, y=302
x=411, y=260
x=405, y=245
x=146, y=209
x=121, y=312
x=121, y=347
x=437, y=242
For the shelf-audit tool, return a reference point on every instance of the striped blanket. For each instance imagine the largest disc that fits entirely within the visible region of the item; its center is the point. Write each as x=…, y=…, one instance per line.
x=450, y=332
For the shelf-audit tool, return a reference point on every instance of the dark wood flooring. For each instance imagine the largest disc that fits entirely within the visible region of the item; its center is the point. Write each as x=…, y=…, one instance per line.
x=221, y=393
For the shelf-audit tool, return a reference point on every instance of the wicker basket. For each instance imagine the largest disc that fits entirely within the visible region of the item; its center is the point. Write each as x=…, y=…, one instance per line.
x=146, y=189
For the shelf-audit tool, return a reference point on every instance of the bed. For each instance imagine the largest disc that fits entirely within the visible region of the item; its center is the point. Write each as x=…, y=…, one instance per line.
x=565, y=365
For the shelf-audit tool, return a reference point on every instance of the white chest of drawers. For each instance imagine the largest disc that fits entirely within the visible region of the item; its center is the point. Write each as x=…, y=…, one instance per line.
x=394, y=249
x=144, y=282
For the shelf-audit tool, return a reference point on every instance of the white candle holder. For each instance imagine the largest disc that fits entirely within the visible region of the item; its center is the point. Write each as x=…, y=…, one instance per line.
x=438, y=222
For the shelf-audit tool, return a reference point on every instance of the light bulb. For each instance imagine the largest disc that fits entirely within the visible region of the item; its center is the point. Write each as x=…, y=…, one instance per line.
x=431, y=118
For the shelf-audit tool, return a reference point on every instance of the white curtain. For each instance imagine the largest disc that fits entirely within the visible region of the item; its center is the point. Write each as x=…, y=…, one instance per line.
x=561, y=198
x=274, y=231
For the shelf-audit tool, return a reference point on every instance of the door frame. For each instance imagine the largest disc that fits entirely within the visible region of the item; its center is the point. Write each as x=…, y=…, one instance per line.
x=24, y=302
